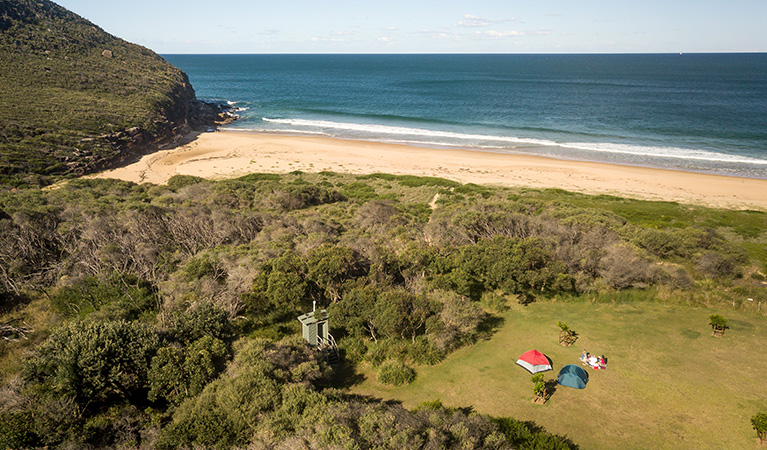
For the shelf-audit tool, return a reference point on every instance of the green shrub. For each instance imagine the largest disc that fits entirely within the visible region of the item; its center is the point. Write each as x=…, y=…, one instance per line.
x=353, y=349
x=204, y=266
x=117, y=296
x=17, y=430
x=474, y=189
x=416, y=181
x=513, y=266
x=385, y=349
x=421, y=351
x=539, y=386
x=493, y=301
x=759, y=422
x=96, y=363
x=176, y=374
x=256, y=177
x=177, y=182
x=528, y=435
x=205, y=319
x=395, y=373
x=662, y=243
x=717, y=321
x=359, y=191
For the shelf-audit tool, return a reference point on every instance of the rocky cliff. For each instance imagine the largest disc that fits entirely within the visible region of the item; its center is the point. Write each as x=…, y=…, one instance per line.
x=74, y=99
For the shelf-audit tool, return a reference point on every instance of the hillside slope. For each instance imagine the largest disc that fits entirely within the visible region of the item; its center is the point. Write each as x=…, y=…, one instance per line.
x=74, y=98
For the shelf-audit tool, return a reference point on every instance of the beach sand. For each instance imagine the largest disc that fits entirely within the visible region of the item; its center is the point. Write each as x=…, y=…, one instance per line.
x=227, y=154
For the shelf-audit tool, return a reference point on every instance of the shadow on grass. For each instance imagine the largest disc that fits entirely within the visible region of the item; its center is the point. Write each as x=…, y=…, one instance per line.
x=741, y=325
x=551, y=387
x=692, y=334
x=488, y=327
x=528, y=434
x=346, y=376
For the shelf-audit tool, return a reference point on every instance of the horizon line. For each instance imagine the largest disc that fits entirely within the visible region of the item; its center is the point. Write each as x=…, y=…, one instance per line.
x=474, y=53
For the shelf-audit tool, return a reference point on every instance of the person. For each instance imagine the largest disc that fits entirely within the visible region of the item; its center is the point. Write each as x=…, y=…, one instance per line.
x=585, y=356
x=602, y=362
x=593, y=361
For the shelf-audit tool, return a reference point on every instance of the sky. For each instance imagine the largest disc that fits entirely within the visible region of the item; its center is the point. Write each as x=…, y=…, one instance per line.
x=432, y=26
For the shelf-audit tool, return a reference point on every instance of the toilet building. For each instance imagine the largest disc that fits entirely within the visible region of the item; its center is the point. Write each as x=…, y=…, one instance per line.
x=315, y=327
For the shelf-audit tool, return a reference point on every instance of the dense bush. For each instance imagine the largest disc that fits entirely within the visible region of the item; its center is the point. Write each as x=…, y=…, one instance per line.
x=525, y=267
x=115, y=296
x=15, y=430
x=178, y=373
x=205, y=263
x=95, y=363
x=715, y=265
x=227, y=411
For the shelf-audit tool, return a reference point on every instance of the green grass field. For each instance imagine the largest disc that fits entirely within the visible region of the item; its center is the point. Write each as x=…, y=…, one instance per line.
x=669, y=384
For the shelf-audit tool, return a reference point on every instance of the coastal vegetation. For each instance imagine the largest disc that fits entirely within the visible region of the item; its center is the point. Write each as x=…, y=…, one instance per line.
x=74, y=98
x=165, y=315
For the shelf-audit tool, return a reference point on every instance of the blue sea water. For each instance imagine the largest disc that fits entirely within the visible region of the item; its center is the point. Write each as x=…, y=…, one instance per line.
x=695, y=112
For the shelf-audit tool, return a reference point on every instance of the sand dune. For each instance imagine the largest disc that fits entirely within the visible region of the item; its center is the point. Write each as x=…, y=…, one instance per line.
x=229, y=154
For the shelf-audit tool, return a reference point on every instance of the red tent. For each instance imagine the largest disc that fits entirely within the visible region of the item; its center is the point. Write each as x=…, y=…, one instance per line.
x=534, y=361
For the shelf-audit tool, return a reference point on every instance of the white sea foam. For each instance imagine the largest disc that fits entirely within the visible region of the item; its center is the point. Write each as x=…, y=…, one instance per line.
x=421, y=136
x=281, y=130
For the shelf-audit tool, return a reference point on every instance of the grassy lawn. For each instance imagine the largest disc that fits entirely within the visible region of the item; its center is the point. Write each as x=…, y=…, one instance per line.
x=669, y=383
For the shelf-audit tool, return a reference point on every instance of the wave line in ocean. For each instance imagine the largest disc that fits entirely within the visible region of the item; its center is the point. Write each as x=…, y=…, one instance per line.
x=396, y=133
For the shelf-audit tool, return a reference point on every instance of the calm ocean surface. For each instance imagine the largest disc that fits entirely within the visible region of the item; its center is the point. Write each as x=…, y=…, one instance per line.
x=697, y=112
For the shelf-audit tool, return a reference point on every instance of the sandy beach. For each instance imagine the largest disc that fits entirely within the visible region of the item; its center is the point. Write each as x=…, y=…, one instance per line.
x=227, y=154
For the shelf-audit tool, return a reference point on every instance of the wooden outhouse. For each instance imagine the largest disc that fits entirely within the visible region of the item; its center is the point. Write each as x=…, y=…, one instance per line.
x=315, y=327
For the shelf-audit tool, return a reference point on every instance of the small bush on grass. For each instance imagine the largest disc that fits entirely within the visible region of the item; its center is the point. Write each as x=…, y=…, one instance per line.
x=718, y=323
x=539, y=387
x=395, y=373
x=759, y=422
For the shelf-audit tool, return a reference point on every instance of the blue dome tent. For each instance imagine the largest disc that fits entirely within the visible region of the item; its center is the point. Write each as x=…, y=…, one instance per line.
x=573, y=376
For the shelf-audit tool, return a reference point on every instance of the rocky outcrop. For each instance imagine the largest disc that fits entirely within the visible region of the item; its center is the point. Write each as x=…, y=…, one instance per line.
x=185, y=115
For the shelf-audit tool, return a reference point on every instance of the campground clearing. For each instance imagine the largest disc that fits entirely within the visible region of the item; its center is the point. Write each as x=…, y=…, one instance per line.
x=669, y=383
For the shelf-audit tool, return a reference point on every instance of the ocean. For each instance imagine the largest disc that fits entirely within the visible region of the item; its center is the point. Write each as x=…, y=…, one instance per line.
x=693, y=112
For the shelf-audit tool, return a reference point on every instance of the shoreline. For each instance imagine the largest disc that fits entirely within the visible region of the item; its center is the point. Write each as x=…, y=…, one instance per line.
x=225, y=154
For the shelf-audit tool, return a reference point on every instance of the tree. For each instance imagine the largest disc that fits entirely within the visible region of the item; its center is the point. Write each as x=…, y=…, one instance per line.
x=279, y=290
x=539, y=388
x=355, y=312
x=718, y=323
x=230, y=408
x=330, y=265
x=567, y=336
x=759, y=422
x=457, y=322
x=400, y=313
